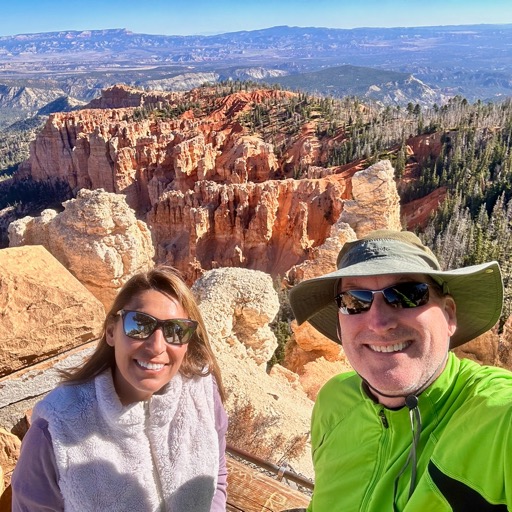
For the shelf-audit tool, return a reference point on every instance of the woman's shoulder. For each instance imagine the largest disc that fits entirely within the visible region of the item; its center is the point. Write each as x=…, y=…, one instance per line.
x=63, y=398
x=38, y=429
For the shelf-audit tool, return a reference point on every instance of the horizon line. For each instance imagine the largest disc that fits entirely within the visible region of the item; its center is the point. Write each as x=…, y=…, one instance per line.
x=128, y=31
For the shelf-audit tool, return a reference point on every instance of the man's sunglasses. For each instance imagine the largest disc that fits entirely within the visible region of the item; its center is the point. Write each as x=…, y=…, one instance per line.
x=140, y=326
x=401, y=295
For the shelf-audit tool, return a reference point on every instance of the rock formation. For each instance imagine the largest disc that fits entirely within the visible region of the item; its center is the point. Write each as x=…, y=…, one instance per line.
x=213, y=193
x=122, y=96
x=221, y=178
x=268, y=226
x=238, y=305
x=375, y=203
x=45, y=310
x=97, y=238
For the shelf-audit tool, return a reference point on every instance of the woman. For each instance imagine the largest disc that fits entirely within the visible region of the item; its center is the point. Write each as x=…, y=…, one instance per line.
x=140, y=425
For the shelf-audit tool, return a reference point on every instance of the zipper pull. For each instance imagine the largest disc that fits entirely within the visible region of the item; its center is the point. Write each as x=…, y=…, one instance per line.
x=383, y=418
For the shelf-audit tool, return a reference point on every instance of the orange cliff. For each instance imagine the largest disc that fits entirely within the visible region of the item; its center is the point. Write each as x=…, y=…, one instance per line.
x=214, y=189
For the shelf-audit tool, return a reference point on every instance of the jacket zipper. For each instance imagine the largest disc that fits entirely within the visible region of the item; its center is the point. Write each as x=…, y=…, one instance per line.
x=156, y=474
x=381, y=456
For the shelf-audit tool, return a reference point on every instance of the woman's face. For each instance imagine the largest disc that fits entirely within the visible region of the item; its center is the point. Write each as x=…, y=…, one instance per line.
x=144, y=366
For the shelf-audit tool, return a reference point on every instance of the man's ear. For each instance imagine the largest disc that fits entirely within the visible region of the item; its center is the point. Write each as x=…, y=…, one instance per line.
x=450, y=310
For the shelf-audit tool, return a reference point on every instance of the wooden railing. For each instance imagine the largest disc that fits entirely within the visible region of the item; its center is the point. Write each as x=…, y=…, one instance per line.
x=250, y=489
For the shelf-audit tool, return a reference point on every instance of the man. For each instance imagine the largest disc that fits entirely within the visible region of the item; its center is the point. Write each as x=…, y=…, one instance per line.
x=413, y=428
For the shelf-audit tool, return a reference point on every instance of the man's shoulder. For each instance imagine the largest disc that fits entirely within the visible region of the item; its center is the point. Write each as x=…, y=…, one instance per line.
x=487, y=386
x=340, y=384
x=337, y=401
x=485, y=376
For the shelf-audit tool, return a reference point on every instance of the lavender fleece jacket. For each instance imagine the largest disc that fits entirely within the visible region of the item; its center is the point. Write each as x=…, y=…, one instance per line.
x=35, y=478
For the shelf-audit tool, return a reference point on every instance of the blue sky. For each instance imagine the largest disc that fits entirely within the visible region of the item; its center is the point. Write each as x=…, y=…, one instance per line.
x=187, y=17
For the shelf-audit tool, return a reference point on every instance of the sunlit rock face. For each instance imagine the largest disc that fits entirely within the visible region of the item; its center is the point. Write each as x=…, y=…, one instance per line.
x=97, y=238
x=38, y=296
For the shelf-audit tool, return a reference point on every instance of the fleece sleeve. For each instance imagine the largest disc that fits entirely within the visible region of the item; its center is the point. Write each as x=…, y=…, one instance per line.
x=221, y=424
x=34, y=481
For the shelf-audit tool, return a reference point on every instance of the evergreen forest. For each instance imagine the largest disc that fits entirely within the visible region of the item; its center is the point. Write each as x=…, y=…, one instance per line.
x=474, y=166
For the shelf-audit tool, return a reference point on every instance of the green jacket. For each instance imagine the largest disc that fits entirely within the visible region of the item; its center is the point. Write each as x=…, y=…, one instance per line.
x=464, y=458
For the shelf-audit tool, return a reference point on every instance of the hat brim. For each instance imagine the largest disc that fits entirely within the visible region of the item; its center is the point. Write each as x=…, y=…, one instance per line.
x=477, y=291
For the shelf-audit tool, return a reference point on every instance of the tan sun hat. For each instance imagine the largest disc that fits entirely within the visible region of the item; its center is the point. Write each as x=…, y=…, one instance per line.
x=477, y=289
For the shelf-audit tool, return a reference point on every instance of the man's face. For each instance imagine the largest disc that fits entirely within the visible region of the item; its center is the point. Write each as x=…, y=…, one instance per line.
x=397, y=350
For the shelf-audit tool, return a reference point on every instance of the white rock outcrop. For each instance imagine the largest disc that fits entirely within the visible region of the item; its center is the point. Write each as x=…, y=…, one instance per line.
x=375, y=203
x=97, y=238
x=238, y=304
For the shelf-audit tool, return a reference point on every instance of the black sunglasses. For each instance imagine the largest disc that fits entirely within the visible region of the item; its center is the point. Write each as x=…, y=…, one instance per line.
x=401, y=295
x=140, y=326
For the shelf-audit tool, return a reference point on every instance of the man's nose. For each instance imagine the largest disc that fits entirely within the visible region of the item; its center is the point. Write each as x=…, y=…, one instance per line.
x=381, y=316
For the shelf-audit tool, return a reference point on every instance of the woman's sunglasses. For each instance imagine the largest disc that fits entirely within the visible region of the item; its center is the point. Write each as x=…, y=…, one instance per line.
x=401, y=295
x=140, y=326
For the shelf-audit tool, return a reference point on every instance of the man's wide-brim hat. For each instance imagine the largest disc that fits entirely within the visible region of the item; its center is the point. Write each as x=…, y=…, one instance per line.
x=477, y=290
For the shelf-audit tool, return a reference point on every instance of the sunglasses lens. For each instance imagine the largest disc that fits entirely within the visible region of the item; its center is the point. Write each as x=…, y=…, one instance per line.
x=178, y=332
x=402, y=295
x=138, y=325
x=353, y=302
x=406, y=295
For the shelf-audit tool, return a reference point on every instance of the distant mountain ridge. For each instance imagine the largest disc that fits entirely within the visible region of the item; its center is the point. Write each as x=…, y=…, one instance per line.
x=389, y=87
x=289, y=40
x=425, y=64
x=370, y=46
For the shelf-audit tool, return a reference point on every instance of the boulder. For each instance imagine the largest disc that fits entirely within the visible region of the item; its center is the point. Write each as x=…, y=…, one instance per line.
x=97, y=238
x=484, y=349
x=307, y=340
x=9, y=452
x=45, y=310
x=238, y=305
x=505, y=345
x=316, y=373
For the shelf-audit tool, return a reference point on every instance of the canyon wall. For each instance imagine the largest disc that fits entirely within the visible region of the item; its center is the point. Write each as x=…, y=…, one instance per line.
x=212, y=191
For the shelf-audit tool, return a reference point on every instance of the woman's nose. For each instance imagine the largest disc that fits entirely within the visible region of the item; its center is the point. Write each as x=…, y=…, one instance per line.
x=156, y=342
